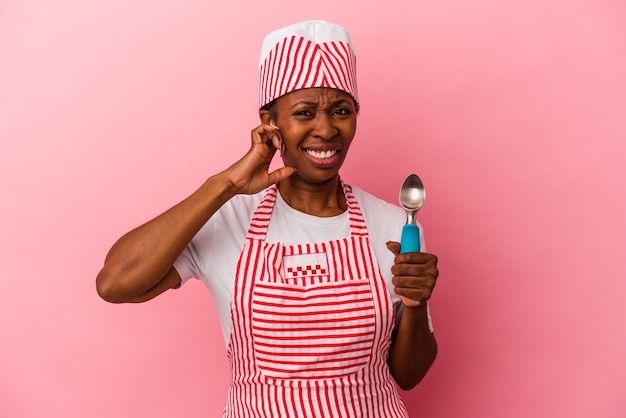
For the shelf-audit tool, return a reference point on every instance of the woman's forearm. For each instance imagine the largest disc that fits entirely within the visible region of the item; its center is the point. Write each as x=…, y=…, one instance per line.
x=139, y=265
x=139, y=260
x=413, y=349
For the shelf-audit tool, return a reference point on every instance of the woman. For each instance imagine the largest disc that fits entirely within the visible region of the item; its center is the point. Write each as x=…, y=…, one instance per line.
x=320, y=312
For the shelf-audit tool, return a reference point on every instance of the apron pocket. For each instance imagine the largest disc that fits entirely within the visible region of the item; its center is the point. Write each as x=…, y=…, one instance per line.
x=319, y=331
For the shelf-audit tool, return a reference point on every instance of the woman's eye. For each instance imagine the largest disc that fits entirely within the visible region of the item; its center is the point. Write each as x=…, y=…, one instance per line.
x=303, y=113
x=342, y=111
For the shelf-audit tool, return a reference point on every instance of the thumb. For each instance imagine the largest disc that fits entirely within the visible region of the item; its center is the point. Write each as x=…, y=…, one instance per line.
x=394, y=247
x=281, y=174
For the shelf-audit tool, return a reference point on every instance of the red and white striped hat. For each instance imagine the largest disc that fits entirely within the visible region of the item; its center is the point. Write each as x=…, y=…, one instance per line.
x=309, y=54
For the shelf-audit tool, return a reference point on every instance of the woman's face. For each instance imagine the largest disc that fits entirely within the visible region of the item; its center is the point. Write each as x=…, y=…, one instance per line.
x=317, y=126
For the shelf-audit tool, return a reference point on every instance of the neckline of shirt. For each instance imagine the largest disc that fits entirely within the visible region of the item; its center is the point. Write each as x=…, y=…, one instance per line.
x=312, y=219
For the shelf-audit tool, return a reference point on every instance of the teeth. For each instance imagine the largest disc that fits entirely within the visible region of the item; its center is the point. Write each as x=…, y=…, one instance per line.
x=323, y=154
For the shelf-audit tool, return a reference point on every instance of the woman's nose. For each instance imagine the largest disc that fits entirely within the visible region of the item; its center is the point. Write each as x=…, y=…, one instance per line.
x=324, y=127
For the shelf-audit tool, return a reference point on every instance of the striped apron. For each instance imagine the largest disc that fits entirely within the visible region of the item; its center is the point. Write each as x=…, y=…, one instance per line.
x=311, y=327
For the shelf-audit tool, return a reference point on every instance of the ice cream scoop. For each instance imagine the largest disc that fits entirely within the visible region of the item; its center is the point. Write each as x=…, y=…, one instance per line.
x=412, y=198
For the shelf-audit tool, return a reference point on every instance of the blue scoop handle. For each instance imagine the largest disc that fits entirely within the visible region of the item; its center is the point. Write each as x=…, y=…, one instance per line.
x=410, y=241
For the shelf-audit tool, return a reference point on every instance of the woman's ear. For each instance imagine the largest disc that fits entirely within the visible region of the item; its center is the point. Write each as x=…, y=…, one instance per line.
x=265, y=116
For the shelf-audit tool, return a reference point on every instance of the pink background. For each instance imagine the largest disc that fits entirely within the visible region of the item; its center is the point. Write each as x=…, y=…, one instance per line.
x=512, y=112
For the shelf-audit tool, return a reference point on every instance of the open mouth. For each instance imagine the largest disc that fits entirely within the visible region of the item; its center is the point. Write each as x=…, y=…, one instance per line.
x=321, y=155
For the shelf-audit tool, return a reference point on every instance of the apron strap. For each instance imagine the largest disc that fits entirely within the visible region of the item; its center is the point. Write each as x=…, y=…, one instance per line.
x=261, y=217
x=357, y=221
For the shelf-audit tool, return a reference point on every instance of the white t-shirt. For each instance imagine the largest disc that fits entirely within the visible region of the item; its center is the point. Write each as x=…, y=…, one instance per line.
x=213, y=253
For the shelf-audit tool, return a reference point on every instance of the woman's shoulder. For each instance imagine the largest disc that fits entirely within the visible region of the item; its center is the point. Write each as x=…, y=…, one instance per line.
x=370, y=203
x=384, y=220
x=235, y=214
x=243, y=203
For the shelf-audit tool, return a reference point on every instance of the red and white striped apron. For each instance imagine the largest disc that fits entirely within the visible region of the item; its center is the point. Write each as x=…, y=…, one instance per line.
x=311, y=327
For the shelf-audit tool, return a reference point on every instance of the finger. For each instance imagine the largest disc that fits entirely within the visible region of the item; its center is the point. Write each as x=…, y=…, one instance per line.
x=264, y=141
x=281, y=174
x=257, y=135
x=263, y=134
x=417, y=295
x=425, y=282
x=415, y=258
x=415, y=269
x=273, y=133
x=394, y=247
x=277, y=141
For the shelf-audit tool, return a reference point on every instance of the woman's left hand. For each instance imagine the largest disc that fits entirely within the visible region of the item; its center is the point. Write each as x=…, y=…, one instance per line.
x=414, y=275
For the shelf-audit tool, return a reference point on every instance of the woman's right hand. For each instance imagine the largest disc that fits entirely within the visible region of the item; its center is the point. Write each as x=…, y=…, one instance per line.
x=251, y=173
x=139, y=265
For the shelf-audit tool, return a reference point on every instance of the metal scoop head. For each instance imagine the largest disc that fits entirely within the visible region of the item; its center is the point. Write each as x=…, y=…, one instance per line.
x=412, y=196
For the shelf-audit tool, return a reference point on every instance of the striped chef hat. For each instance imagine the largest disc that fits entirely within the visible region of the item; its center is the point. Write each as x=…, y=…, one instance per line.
x=309, y=54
